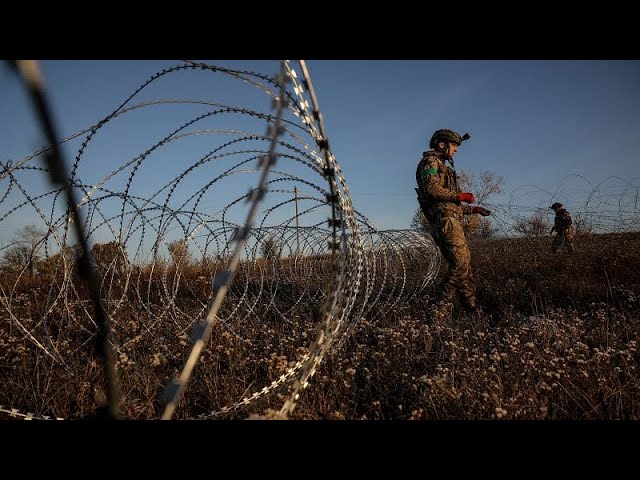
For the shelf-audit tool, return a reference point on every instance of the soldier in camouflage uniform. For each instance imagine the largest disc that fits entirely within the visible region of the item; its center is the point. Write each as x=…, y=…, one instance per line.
x=563, y=225
x=441, y=200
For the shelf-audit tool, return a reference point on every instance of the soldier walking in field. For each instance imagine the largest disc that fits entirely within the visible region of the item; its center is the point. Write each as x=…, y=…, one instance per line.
x=563, y=226
x=441, y=200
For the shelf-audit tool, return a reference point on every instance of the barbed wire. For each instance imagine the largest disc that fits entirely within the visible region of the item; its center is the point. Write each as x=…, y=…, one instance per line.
x=137, y=276
x=609, y=206
x=214, y=262
x=15, y=413
x=34, y=82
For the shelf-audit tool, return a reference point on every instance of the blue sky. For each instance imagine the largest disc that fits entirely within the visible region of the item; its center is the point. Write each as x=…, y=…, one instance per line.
x=533, y=122
x=548, y=127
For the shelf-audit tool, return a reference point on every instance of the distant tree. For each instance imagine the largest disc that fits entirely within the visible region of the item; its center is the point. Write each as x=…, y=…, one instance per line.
x=15, y=258
x=270, y=249
x=483, y=187
x=536, y=225
x=179, y=251
x=109, y=255
x=68, y=255
x=25, y=251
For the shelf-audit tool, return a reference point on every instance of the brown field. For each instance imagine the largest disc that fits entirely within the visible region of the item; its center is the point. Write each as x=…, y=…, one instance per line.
x=558, y=341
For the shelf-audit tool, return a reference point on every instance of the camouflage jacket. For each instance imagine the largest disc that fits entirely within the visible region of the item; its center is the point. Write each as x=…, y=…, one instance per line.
x=562, y=221
x=438, y=189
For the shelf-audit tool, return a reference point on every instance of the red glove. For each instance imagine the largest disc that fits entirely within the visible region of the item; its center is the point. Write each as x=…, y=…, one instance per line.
x=467, y=197
x=482, y=211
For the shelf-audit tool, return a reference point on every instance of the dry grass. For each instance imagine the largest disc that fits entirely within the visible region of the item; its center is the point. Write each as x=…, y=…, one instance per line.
x=558, y=342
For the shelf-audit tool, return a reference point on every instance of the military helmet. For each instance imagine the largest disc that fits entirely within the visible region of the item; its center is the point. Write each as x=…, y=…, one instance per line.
x=556, y=205
x=445, y=135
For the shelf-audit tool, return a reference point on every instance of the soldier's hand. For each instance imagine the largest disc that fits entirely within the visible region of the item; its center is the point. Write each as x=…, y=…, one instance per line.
x=466, y=197
x=481, y=210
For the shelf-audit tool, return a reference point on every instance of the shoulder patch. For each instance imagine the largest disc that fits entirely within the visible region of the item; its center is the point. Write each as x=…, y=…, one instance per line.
x=429, y=171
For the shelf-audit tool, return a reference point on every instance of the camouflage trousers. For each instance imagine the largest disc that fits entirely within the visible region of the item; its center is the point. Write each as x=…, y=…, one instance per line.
x=563, y=237
x=450, y=237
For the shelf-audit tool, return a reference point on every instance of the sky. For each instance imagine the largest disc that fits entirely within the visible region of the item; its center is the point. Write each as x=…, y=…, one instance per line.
x=555, y=130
